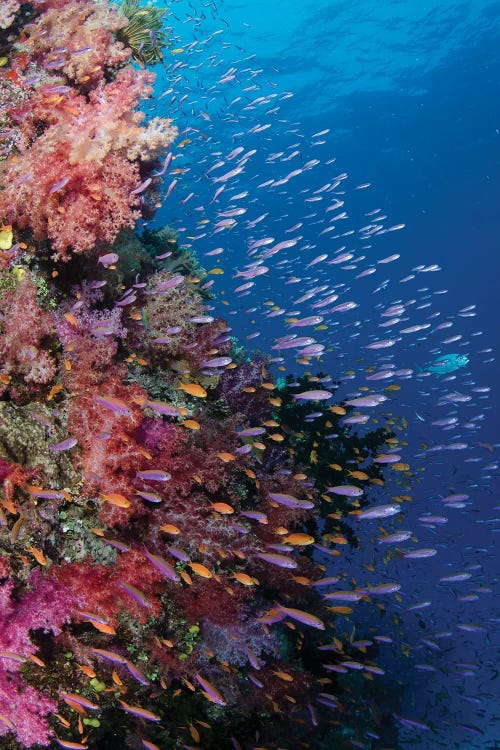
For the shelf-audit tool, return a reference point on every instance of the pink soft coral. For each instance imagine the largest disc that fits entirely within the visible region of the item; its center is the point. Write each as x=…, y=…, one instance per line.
x=85, y=31
x=8, y=10
x=79, y=214
x=24, y=326
x=79, y=155
x=46, y=607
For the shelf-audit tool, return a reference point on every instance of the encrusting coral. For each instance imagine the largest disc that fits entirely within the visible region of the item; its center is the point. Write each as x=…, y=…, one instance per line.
x=156, y=580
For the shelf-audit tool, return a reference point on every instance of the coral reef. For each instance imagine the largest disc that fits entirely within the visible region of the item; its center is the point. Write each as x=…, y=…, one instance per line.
x=157, y=584
x=81, y=145
x=46, y=607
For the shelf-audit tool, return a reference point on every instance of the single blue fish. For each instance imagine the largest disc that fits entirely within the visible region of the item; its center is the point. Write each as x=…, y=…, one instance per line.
x=447, y=363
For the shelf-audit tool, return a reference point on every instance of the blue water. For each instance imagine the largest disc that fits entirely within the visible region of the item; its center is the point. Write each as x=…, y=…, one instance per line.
x=409, y=92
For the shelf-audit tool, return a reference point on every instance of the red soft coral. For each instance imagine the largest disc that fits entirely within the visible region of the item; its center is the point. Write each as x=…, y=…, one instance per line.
x=100, y=591
x=111, y=456
x=197, y=602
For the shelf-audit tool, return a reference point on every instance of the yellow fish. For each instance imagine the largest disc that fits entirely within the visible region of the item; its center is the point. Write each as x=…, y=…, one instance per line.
x=245, y=579
x=226, y=457
x=338, y=410
x=71, y=319
x=299, y=539
x=284, y=676
x=169, y=528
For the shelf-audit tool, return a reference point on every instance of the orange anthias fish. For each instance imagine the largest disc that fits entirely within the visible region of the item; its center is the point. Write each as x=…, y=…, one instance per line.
x=201, y=570
x=38, y=555
x=223, y=508
x=169, y=528
x=298, y=539
x=226, y=457
x=194, y=389
x=246, y=579
x=116, y=499
x=191, y=424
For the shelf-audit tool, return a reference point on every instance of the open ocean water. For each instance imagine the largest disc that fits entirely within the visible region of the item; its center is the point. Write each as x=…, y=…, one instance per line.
x=321, y=128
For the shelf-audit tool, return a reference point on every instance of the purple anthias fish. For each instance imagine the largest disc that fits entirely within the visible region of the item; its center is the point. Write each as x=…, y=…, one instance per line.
x=108, y=259
x=365, y=401
x=313, y=395
x=344, y=596
x=153, y=475
x=136, y=673
x=398, y=536
x=275, y=559
x=151, y=497
x=163, y=566
x=135, y=594
x=378, y=511
x=210, y=690
x=65, y=445
x=419, y=554
x=346, y=490
x=289, y=501
x=116, y=405
x=141, y=713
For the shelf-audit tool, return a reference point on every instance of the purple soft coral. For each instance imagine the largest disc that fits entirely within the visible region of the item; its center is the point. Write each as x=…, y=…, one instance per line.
x=23, y=710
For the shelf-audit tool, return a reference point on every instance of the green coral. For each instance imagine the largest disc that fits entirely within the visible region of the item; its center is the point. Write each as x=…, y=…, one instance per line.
x=189, y=641
x=10, y=278
x=97, y=685
x=23, y=440
x=11, y=95
x=182, y=259
x=158, y=385
x=8, y=282
x=133, y=259
x=77, y=542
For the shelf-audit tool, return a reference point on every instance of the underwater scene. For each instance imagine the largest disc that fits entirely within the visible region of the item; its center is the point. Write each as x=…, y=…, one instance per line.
x=249, y=454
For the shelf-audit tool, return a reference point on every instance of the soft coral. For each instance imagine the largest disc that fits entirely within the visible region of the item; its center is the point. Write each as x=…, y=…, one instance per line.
x=25, y=329
x=73, y=180
x=46, y=607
